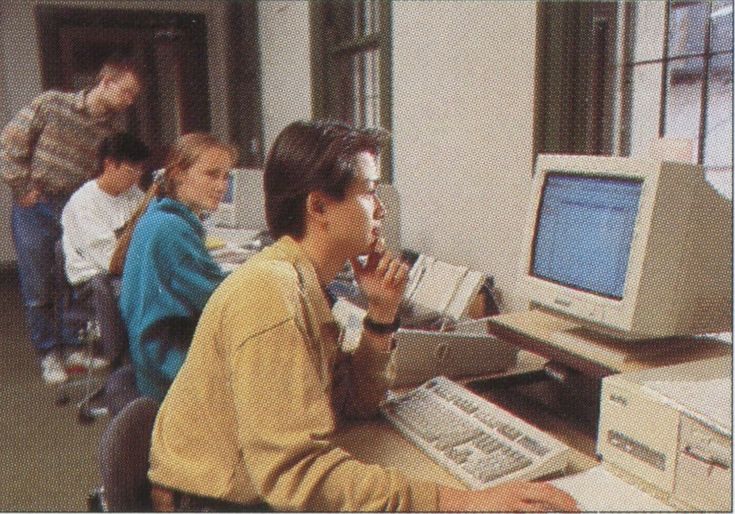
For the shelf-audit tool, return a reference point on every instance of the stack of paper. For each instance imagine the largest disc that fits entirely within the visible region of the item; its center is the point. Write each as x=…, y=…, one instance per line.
x=598, y=490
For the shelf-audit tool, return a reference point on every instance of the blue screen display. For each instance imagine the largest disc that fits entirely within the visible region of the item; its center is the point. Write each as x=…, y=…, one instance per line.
x=229, y=196
x=584, y=231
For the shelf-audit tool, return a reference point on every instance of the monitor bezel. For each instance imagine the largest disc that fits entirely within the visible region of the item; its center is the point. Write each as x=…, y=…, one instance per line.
x=611, y=315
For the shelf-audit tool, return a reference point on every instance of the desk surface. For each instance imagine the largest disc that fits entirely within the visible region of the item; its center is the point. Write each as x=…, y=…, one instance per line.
x=377, y=442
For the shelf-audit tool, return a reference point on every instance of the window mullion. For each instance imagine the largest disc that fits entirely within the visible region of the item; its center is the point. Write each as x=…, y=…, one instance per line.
x=358, y=44
x=664, y=73
x=626, y=77
x=705, y=86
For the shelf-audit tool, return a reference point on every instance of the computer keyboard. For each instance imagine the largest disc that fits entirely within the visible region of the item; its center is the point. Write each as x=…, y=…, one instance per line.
x=473, y=439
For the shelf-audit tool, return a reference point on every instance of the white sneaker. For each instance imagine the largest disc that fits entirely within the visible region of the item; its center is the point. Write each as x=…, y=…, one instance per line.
x=82, y=359
x=52, y=368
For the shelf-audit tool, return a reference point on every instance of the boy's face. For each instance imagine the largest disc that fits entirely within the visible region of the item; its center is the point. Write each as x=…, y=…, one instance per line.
x=123, y=175
x=354, y=222
x=121, y=92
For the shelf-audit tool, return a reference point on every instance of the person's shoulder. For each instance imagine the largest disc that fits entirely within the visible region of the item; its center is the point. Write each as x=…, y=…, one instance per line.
x=270, y=270
x=267, y=287
x=82, y=194
x=168, y=227
x=166, y=223
x=131, y=198
x=264, y=275
x=53, y=97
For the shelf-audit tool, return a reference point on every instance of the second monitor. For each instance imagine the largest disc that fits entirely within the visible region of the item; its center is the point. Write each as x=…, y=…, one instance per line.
x=243, y=205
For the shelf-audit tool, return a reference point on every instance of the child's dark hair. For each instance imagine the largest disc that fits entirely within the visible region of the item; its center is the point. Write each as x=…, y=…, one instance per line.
x=307, y=157
x=121, y=147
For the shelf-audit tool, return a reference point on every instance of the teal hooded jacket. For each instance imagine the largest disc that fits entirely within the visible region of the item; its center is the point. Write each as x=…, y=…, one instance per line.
x=167, y=279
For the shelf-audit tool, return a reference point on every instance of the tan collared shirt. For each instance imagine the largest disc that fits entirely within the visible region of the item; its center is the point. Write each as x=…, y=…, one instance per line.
x=250, y=415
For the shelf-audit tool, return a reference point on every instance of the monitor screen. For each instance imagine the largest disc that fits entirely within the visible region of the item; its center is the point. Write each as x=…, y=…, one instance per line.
x=584, y=231
x=229, y=196
x=243, y=204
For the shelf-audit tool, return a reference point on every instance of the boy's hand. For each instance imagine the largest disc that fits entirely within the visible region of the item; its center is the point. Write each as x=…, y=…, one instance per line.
x=383, y=280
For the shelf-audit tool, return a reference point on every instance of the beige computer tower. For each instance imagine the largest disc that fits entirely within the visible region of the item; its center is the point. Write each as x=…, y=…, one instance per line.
x=670, y=429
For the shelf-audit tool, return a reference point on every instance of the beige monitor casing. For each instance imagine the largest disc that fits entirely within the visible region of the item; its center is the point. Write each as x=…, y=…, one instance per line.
x=679, y=279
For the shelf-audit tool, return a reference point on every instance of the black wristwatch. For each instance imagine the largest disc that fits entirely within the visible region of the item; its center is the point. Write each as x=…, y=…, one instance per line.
x=381, y=328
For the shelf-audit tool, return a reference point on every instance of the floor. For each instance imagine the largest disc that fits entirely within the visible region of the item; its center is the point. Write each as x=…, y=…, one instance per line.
x=48, y=461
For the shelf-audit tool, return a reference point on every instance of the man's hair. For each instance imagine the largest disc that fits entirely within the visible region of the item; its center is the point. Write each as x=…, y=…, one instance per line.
x=121, y=147
x=308, y=157
x=116, y=66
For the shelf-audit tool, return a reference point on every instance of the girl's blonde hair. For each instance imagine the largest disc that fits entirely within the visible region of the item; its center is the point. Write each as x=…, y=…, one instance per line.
x=183, y=155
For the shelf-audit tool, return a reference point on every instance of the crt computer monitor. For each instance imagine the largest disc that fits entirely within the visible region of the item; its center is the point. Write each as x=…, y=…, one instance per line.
x=243, y=205
x=632, y=249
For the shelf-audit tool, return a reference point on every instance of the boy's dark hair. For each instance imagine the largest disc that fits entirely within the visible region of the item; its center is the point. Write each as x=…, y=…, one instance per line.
x=121, y=147
x=115, y=66
x=307, y=157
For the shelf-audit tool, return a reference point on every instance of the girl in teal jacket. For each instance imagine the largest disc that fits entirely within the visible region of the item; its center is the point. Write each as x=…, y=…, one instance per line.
x=168, y=274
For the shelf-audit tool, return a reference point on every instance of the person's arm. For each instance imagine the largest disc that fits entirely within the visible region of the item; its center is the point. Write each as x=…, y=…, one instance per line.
x=285, y=417
x=284, y=420
x=383, y=280
x=508, y=497
x=192, y=277
x=17, y=144
x=194, y=274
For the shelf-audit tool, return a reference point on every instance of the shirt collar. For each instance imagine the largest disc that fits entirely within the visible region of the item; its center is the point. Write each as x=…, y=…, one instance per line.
x=289, y=250
x=174, y=206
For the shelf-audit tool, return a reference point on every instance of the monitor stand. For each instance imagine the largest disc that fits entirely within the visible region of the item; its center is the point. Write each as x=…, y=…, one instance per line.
x=563, y=340
x=578, y=359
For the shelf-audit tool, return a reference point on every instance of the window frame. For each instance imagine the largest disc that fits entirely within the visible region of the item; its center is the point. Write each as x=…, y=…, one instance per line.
x=627, y=64
x=329, y=100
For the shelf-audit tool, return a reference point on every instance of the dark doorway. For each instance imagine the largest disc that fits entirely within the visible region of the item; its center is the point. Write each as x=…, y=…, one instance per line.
x=170, y=48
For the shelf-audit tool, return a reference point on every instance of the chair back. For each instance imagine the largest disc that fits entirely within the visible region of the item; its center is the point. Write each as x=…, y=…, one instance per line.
x=123, y=457
x=68, y=313
x=99, y=302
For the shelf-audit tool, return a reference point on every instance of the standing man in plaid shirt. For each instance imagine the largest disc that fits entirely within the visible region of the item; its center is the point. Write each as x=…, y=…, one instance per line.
x=47, y=151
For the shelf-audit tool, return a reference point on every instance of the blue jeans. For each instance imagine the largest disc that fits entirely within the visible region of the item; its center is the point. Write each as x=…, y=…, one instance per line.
x=35, y=232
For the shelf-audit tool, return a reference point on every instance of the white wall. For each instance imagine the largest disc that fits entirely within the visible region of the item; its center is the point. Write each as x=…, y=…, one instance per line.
x=20, y=58
x=285, y=61
x=463, y=80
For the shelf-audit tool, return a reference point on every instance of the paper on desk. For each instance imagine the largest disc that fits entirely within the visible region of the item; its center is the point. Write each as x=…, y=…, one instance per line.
x=599, y=490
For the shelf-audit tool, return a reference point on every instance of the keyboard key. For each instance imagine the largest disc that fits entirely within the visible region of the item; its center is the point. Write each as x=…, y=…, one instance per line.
x=533, y=445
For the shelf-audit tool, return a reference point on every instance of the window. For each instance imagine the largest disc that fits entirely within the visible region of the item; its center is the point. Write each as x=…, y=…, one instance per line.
x=677, y=81
x=351, y=64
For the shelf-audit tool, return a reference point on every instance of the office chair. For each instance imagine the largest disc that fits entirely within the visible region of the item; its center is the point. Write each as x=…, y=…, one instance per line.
x=123, y=459
x=81, y=315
